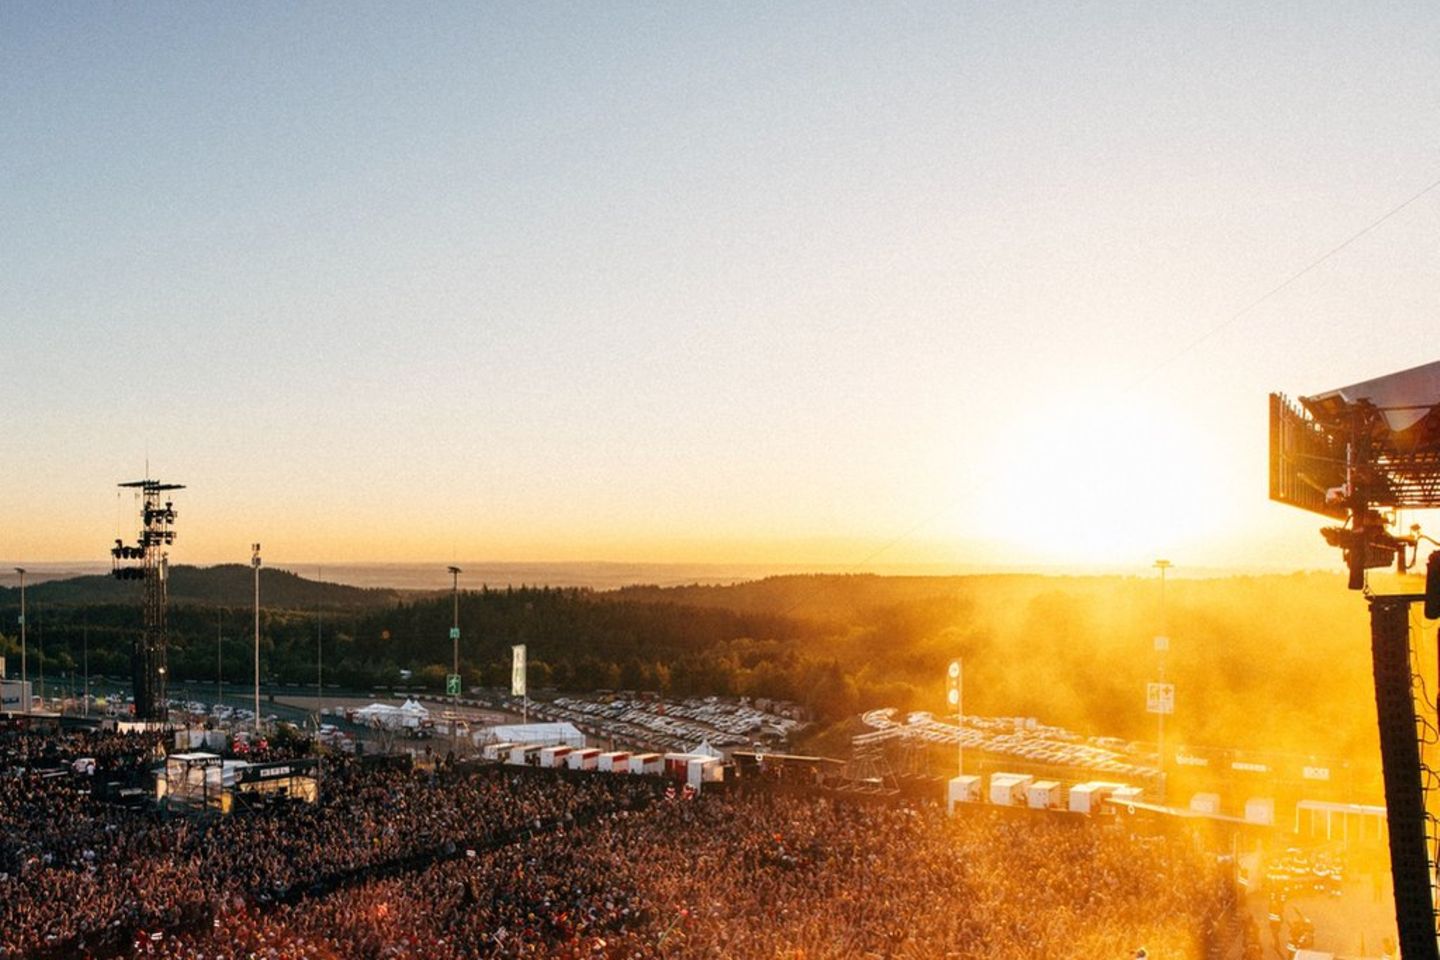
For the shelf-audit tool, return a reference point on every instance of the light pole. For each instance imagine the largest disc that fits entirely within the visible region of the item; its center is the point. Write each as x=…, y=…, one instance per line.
x=1162, y=643
x=455, y=654
x=255, y=563
x=956, y=695
x=24, y=670
x=319, y=646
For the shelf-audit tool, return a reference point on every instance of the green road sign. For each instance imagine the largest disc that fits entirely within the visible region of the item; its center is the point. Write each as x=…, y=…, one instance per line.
x=452, y=684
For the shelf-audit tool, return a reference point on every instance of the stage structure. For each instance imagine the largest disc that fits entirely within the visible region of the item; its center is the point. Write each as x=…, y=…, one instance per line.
x=148, y=560
x=1360, y=455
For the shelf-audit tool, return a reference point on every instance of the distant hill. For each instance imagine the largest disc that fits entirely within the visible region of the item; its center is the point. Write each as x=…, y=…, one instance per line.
x=227, y=585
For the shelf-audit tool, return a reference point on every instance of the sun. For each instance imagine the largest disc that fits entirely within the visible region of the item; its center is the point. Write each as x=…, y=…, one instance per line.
x=1099, y=483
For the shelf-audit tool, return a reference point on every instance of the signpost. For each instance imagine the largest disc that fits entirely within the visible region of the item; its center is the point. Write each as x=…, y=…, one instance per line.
x=1160, y=698
x=452, y=685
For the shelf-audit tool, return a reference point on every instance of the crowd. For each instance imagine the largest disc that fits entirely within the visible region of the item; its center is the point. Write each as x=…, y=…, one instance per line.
x=79, y=876
x=399, y=864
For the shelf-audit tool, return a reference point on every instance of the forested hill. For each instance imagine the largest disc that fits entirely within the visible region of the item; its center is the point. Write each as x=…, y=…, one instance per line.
x=227, y=585
x=1279, y=662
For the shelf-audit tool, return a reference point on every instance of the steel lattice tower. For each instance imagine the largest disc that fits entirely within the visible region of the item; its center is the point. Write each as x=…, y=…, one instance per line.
x=149, y=561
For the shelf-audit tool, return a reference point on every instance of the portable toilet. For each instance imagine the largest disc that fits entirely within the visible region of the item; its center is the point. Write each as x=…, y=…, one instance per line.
x=1008, y=789
x=1205, y=803
x=613, y=762
x=496, y=751
x=1260, y=810
x=552, y=757
x=703, y=770
x=962, y=790
x=1044, y=795
x=651, y=763
x=582, y=759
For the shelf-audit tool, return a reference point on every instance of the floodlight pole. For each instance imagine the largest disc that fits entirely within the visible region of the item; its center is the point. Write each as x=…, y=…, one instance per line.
x=455, y=653
x=319, y=648
x=24, y=669
x=255, y=563
x=1162, y=566
x=960, y=718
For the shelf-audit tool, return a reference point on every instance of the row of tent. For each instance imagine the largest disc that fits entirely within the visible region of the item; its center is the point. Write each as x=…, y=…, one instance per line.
x=1024, y=790
x=695, y=769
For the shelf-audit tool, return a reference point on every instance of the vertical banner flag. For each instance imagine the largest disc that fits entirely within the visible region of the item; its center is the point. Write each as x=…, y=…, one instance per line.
x=517, y=670
x=952, y=686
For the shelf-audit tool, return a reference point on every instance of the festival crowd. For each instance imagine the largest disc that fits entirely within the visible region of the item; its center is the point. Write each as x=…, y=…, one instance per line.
x=494, y=863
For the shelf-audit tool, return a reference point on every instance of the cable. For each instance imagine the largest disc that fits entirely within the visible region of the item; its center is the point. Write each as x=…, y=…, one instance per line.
x=1238, y=314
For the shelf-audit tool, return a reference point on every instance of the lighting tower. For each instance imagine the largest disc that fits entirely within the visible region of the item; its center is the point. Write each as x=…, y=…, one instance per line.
x=1359, y=454
x=148, y=560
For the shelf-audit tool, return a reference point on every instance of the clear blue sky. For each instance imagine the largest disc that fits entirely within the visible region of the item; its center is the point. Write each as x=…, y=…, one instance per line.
x=800, y=282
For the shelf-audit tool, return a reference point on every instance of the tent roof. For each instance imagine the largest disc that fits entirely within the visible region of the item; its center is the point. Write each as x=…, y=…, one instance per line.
x=542, y=733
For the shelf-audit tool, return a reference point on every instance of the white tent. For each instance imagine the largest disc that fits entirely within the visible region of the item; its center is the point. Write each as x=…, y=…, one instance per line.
x=408, y=716
x=545, y=734
x=703, y=749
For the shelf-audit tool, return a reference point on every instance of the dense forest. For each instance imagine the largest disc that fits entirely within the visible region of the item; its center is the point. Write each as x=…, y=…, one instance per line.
x=1280, y=662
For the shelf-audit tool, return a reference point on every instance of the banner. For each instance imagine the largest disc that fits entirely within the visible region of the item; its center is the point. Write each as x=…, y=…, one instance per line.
x=517, y=670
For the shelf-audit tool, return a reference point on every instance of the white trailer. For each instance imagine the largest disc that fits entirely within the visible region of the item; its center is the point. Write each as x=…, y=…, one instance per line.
x=651, y=763
x=614, y=762
x=962, y=789
x=1008, y=789
x=554, y=757
x=526, y=754
x=583, y=759
x=496, y=751
x=1045, y=795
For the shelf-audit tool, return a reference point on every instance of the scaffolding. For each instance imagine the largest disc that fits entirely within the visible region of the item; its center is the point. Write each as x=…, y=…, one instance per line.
x=148, y=560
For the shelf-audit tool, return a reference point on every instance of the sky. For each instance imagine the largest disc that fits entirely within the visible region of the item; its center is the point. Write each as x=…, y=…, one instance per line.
x=826, y=284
